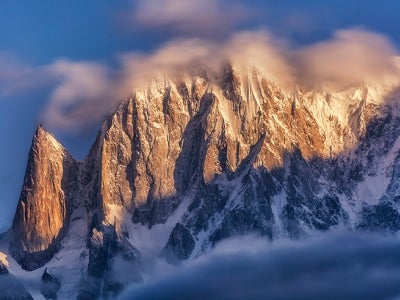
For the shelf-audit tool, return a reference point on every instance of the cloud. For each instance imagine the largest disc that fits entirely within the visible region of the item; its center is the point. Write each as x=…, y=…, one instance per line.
x=13, y=288
x=139, y=68
x=333, y=266
x=84, y=92
x=350, y=57
x=247, y=49
x=258, y=49
x=189, y=17
x=16, y=76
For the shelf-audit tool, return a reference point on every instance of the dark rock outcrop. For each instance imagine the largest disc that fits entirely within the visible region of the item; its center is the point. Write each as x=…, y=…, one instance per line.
x=50, y=285
x=180, y=245
x=113, y=264
x=10, y=287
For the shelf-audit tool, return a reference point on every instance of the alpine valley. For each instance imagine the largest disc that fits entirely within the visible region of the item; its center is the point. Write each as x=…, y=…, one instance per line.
x=197, y=157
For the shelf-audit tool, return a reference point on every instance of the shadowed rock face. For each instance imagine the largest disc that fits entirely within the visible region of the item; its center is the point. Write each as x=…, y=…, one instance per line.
x=46, y=201
x=180, y=244
x=113, y=264
x=10, y=287
x=49, y=285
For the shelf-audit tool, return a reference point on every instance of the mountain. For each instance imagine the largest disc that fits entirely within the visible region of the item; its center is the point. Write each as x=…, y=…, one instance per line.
x=200, y=156
x=46, y=201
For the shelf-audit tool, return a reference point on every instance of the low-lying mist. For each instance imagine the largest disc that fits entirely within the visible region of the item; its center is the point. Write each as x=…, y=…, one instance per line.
x=330, y=266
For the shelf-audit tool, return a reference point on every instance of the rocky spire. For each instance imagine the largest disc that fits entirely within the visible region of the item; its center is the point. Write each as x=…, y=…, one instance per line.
x=45, y=203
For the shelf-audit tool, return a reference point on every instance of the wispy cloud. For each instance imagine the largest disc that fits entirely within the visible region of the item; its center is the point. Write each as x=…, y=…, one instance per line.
x=189, y=17
x=16, y=75
x=350, y=57
x=335, y=266
x=246, y=49
x=83, y=92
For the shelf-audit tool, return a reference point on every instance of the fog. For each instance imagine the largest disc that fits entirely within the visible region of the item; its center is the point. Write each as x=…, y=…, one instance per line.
x=332, y=266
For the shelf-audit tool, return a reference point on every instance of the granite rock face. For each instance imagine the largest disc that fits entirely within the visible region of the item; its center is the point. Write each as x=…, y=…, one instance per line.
x=201, y=156
x=46, y=201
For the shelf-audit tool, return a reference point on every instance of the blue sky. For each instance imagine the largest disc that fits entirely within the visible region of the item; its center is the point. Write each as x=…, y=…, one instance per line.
x=46, y=39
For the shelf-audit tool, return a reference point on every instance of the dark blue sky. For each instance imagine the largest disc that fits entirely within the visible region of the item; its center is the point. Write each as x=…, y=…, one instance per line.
x=36, y=34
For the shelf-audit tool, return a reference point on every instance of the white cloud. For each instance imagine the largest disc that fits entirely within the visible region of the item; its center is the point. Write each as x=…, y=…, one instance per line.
x=83, y=92
x=259, y=49
x=246, y=49
x=351, y=57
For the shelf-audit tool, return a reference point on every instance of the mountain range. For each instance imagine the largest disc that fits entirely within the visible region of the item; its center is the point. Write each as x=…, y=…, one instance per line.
x=197, y=157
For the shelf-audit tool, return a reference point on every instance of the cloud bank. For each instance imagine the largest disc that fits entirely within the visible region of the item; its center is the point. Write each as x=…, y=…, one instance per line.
x=335, y=266
x=83, y=92
x=351, y=57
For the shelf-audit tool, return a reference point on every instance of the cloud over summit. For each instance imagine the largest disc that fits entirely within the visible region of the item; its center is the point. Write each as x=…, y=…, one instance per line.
x=350, y=57
x=81, y=88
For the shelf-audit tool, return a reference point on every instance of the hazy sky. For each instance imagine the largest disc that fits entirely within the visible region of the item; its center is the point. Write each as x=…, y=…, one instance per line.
x=45, y=46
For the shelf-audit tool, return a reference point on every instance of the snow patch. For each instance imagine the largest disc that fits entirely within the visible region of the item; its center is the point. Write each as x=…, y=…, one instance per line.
x=278, y=202
x=226, y=110
x=150, y=241
x=68, y=265
x=372, y=188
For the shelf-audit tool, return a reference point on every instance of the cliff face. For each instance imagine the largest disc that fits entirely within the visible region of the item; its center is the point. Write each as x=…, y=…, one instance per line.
x=180, y=132
x=138, y=148
x=198, y=157
x=46, y=201
x=245, y=155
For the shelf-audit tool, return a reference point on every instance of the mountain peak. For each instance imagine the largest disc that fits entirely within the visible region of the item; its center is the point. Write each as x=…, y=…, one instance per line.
x=44, y=139
x=45, y=203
